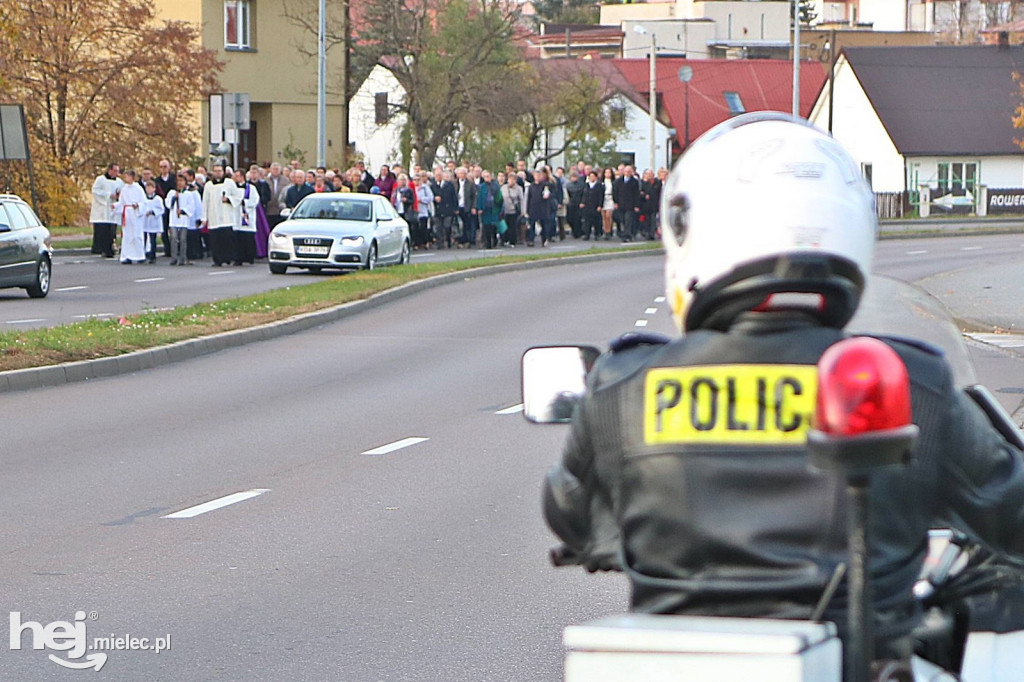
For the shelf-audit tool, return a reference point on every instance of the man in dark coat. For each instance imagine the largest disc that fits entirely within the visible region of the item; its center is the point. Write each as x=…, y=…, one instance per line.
x=590, y=206
x=446, y=205
x=626, y=195
x=298, y=190
x=541, y=199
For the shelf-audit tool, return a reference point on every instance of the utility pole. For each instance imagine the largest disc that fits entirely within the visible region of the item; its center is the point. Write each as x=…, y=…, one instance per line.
x=796, y=58
x=346, y=44
x=653, y=94
x=321, y=87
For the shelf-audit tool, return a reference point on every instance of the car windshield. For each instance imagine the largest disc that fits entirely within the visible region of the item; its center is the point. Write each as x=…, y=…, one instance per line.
x=333, y=208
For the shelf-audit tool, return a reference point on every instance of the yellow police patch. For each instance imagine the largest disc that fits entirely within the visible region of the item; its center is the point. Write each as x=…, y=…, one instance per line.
x=729, y=404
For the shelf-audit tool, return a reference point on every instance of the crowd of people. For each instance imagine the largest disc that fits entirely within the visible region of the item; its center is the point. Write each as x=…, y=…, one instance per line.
x=227, y=213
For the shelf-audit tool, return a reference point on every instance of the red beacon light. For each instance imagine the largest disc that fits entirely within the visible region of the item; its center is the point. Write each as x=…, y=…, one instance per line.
x=862, y=387
x=863, y=417
x=862, y=425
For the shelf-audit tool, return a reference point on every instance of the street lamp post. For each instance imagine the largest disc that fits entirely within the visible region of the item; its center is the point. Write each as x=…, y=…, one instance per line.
x=321, y=88
x=653, y=105
x=796, y=58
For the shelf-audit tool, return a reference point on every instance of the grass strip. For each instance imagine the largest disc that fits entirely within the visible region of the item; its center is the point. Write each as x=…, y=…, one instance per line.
x=91, y=339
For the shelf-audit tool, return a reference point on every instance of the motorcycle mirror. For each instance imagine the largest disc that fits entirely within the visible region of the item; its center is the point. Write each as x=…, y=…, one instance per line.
x=554, y=380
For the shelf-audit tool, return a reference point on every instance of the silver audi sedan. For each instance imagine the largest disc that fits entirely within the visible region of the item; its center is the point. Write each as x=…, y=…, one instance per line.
x=341, y=231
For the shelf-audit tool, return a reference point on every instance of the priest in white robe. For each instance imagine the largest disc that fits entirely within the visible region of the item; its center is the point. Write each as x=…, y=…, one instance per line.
x=245, y=220
x=221, y=196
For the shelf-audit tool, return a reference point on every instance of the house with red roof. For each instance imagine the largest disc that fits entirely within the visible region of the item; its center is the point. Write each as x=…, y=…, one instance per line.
x=718, y=90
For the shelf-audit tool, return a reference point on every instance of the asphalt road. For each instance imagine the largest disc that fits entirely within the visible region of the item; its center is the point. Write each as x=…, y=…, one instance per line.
x=87, y=286
x=422, y=562
x=426, y=563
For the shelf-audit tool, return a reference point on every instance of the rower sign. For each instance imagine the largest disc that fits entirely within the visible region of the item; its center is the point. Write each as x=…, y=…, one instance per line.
x=729, y=404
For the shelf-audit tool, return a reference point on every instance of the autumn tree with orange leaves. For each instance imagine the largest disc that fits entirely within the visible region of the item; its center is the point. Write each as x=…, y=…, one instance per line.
x=103, y=81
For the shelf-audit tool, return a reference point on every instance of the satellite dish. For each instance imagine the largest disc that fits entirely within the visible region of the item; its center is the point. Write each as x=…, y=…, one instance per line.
x=685, y=74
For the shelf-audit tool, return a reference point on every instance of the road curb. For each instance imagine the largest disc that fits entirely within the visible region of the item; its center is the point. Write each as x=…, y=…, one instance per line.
x=84, y=370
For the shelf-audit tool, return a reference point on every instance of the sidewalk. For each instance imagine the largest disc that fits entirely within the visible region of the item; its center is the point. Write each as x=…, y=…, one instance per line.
x=894, y=229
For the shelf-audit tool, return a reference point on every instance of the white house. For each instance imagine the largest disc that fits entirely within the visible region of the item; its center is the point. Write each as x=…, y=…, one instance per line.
x=935, y=117
x=373, y=127
x=377, y=135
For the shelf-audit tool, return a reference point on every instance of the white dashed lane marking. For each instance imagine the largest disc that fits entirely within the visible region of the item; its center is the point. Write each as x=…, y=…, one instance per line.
x=397, y=445
x=217, y=504
x=640, y=323
x=79, y=288
x=221, y=272
x=150, y=279
x=34, y=319
x=650, y=311
x=659, y=299
x=972, y=248
x=917, y=253
x=515, y=409
x=90, y=315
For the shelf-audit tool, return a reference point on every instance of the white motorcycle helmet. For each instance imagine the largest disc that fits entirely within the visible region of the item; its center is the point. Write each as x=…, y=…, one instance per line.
x=765, y=212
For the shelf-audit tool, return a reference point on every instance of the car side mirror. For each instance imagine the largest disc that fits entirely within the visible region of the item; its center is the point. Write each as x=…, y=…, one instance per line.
x=554, y=380
x=5, y=228
x=285, y=212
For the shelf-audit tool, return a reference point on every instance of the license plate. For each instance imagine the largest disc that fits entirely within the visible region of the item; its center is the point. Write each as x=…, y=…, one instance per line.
x=312, y=250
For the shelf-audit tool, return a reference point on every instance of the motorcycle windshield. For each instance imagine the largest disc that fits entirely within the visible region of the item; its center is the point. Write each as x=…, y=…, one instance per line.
x=891, y=307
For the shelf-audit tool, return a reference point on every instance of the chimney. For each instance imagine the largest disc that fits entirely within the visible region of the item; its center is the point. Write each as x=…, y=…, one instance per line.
x=1004, y=40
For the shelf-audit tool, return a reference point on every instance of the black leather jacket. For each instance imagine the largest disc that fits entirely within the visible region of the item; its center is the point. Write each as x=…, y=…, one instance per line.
x=711, y=528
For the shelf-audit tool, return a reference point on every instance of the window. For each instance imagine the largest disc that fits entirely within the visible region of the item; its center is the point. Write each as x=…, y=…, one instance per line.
x=735, y=103
x=380, y=108
x=957, y=177
x=30, y=217
x=617, y=116
x=5, y=223
x=385, y=211
x=18, y=220
x=333, y=209
x=866, y=171
x=237, y=24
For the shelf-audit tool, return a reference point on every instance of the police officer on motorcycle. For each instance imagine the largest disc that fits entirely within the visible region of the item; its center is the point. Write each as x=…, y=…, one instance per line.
x=686, y=466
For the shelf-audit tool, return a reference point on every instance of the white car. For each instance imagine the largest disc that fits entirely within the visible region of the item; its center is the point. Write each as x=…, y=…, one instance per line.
x=341, y=231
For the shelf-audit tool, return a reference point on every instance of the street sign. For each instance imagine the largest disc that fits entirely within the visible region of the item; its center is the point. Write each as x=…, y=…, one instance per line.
x=216, y=119
x=13, y=138
x=236, y=111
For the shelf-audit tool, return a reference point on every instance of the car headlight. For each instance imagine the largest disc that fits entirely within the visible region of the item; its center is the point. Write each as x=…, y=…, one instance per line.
x=352, y=241
x=278, y=237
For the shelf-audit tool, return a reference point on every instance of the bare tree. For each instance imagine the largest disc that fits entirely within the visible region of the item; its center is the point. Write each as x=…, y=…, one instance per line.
x=450, y=57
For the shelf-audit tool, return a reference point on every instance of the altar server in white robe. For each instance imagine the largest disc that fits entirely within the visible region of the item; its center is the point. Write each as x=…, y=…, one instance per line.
x=128, y=211
x=221, y=196
x=245, y=220
x=184, y=208
x=152, y=220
